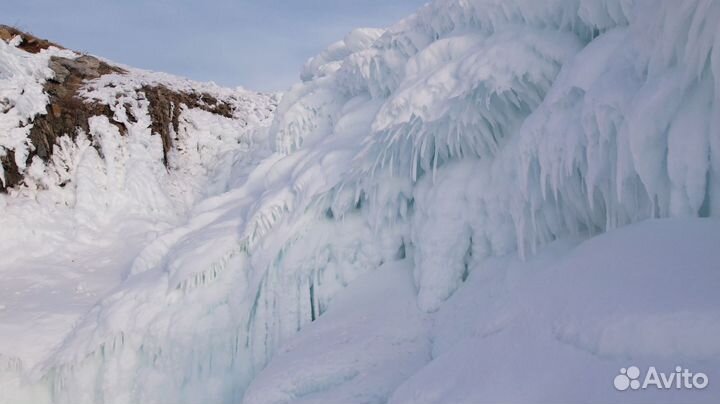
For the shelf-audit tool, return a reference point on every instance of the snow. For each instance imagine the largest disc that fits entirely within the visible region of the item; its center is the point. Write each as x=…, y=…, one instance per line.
x=370, y=340
x=71, y=233
x=22, y=76
x=329, y=60
x=491, y=200
x=555, y=327
x=559, y=326
x=44, y=295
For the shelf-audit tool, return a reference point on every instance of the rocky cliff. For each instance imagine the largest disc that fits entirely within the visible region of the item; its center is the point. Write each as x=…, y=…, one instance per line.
x=64, y=81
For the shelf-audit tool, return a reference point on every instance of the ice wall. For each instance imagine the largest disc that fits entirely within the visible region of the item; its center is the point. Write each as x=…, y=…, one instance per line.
x=471, y=129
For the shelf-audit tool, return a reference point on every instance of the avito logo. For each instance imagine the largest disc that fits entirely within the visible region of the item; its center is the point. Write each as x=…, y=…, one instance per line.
x=629, y=378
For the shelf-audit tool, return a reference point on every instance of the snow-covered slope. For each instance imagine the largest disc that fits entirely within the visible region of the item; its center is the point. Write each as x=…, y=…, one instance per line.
x=557, y=327
x=452, y=164
x=98, y=159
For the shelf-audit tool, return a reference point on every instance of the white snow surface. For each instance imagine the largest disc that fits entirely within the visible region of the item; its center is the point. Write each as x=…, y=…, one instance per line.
x=490, y=201
x=557, y=327
x=70, y=233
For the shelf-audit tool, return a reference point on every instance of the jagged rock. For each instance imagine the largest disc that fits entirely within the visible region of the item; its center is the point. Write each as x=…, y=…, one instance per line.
x=67, y=112
x=165, y=111
x=30, y=43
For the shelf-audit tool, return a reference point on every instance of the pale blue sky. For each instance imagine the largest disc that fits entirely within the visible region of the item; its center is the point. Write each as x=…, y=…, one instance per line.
x=257, y=44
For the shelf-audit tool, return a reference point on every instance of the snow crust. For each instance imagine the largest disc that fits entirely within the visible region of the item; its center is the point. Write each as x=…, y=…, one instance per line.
x=461, y=154
x=555, y=327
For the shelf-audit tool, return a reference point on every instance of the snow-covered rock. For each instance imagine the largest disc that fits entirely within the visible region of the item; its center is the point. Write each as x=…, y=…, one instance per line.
x=97, y=160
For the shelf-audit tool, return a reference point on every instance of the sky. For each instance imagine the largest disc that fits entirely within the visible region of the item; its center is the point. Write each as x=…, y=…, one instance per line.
x=260, y=45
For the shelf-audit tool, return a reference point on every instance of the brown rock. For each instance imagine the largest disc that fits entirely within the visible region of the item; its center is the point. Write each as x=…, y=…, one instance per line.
x=30, y=43
x=67, y=113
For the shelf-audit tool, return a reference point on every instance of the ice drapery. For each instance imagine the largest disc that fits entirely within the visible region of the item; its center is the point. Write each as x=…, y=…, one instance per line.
x=472, y=129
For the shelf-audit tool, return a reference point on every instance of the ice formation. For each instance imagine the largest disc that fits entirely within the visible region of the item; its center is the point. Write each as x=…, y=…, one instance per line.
x=470, y=132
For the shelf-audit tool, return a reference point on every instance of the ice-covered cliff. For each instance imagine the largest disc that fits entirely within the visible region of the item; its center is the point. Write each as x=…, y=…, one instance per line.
x=423, y=198
x=96, y=160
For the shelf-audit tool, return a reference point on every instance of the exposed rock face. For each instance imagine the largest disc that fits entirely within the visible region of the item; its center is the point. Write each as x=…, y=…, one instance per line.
x=67, y=112
x=29, y=43
x=12, y=174
x=165, y=108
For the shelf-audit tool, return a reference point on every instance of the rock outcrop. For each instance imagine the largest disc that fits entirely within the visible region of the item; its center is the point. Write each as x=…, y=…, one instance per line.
x=68, y=112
